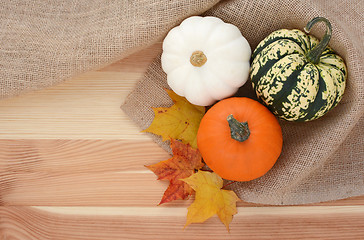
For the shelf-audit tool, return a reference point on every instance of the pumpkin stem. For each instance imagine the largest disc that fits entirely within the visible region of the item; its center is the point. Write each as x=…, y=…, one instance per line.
x=198, y=59
x=314, y=55
x=238, y=130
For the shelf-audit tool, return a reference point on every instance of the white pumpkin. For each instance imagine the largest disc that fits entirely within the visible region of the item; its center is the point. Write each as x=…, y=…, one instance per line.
x=205, y=59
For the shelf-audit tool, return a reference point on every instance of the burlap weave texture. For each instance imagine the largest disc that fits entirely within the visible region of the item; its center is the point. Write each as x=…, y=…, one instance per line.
x=45, y=42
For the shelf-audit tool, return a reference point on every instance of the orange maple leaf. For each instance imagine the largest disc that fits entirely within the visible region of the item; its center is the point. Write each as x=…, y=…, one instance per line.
x=183, y=164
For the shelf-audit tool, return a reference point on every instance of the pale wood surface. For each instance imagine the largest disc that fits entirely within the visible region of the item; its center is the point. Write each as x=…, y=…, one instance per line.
x=72, y=167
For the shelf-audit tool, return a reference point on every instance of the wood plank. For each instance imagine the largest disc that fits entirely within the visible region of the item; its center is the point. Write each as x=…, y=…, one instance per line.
x=81, y=189
x=87, y=107
x=165, y=223
x=106, y=188
x=72, y=156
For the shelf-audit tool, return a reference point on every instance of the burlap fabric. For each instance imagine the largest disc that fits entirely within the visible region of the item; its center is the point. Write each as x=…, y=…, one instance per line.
x=45, y=42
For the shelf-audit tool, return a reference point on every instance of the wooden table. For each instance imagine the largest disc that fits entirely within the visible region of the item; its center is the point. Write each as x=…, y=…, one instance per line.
x=72, y=167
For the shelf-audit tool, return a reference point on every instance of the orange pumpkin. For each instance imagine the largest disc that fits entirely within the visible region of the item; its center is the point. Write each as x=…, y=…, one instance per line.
x=239, y=139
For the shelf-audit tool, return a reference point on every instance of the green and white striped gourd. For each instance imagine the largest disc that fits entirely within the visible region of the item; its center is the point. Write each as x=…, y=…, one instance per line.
x=298, y=77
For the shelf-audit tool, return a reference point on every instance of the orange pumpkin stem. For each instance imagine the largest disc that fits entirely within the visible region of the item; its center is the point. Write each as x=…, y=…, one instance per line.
x=239, y=130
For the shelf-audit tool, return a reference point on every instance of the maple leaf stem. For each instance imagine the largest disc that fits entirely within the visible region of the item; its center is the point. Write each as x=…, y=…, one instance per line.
x=226, y=185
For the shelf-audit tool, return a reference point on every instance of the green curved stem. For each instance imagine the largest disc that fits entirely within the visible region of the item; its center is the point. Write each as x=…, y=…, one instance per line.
x=239, y=130
x=314, y=55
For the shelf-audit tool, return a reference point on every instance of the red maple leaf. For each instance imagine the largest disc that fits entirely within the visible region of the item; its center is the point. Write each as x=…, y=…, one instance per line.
x=185, y=161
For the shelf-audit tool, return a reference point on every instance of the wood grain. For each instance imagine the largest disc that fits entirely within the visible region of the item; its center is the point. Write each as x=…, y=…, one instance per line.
x=162, y=223
x=72, y=167
x=78, y=155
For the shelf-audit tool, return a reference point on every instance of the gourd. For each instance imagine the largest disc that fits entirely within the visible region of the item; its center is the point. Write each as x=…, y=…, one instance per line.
x=297, y=77
x=239, y=139
x=205, y=59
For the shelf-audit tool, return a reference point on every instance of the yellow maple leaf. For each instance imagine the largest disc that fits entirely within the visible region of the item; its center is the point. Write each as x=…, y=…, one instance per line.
x=210, y=199
x=180, y=121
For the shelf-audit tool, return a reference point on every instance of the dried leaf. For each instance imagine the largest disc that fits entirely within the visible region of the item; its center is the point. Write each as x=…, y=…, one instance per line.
x=180, y=121
x=210, y=199
x=184, y=163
